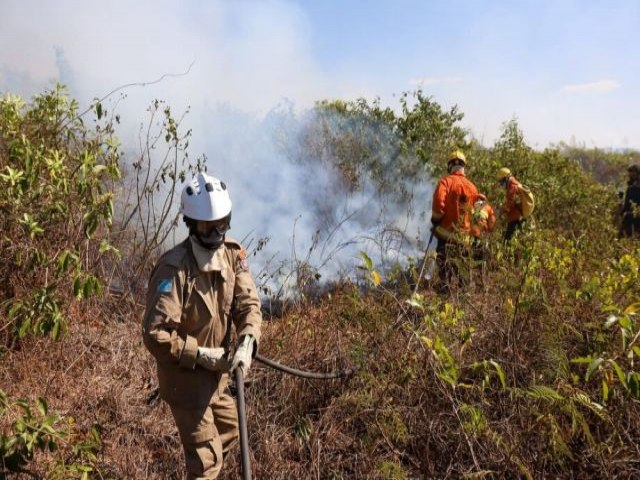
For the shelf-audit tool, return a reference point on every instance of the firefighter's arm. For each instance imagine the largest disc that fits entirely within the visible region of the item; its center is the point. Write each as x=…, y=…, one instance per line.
x=247, y=316
x=438, y=205
x=162, y=318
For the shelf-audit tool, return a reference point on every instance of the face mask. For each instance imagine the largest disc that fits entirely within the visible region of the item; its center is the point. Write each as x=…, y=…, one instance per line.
x=211, y=238
x=211, y=241
x=455, y=168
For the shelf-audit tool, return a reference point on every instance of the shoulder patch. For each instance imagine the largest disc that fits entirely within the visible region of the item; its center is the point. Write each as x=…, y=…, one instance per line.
x=165, y=285
x=243, y=263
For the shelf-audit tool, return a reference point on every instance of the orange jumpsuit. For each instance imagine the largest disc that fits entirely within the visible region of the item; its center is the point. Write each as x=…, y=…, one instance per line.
x=512, y=208
x=452, y=204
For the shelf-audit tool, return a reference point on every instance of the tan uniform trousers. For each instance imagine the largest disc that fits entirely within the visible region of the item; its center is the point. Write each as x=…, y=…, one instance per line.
x=207, y=434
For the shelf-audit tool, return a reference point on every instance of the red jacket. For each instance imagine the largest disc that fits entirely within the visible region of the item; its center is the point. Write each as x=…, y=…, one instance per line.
x=453, y=202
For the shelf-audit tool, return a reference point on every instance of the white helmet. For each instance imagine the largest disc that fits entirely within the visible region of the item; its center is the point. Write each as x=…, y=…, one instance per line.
x=205, y=198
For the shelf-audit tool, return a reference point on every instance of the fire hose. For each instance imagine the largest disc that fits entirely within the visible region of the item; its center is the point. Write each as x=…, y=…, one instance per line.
x=301, y=373
x=245, y=462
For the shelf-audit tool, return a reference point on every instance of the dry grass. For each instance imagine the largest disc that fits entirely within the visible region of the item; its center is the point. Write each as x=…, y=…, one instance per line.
x=396, y=418
x=100, y=373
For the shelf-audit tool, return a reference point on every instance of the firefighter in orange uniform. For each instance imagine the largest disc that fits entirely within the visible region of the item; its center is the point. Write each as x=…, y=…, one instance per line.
x=484, y=217
x=451, y=213
x=511, y=209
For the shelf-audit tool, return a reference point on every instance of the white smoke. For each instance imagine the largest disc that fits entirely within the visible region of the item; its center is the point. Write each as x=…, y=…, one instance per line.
x=299, y=201
x=234, y=64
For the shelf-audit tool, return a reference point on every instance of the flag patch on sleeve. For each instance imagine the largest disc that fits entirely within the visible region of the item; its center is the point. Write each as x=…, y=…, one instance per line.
x=242, y=256
x=165, y=285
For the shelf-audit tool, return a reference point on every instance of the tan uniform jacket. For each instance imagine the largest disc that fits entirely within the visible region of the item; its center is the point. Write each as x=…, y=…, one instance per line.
x=188, y=305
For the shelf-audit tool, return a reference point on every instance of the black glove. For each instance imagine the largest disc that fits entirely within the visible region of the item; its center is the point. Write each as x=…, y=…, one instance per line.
x=435, y=222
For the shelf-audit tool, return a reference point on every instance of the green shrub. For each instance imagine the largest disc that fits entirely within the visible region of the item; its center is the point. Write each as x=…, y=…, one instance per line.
x=56, y=198
x=35, y=429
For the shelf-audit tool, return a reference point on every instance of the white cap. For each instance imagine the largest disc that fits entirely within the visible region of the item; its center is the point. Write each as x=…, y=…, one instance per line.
x=205, y=198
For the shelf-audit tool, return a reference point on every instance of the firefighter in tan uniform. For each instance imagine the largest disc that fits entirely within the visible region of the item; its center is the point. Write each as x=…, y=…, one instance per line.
x=197, y=291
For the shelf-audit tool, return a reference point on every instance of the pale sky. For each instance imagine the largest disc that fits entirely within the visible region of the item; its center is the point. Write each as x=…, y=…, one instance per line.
x=566, y=69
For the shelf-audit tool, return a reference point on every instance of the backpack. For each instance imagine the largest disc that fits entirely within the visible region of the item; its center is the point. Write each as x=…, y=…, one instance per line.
x=527, y=202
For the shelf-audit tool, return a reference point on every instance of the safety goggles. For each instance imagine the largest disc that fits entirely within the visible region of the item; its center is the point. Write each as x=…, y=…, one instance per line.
x=220, y=227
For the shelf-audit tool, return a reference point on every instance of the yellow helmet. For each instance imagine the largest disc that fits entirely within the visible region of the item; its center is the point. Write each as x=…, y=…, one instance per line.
x=457, y=155
x=503, y=173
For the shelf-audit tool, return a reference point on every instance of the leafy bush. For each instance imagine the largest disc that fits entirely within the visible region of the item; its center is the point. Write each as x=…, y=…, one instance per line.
x=35, y=429
x=363, y=139
x=56, y=199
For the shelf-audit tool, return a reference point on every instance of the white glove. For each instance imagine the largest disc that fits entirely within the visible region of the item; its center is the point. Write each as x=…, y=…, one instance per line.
x=213, y=359
x=244, y=354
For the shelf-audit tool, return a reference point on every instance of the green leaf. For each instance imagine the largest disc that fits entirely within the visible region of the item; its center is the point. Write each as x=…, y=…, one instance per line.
x=55, y=331
x=66, y=260
x=593, y=366
x=19, y=425
x=625, y=322
x=63, y=262
x=41, y=403
x=24, y=328
x=368, y=263
x=579, y=360
x=15, y=309
x=88, y=288
x=90, y=223
x=105, y=246
x=621, y=376
x=500, y=372
x=77, y=287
